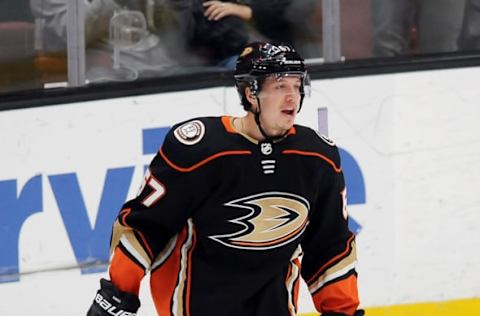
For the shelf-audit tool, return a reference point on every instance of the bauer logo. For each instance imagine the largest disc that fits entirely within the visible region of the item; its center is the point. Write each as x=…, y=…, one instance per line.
x=111, y=308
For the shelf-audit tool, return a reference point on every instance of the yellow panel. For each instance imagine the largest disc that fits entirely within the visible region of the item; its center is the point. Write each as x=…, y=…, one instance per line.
x=466, y=307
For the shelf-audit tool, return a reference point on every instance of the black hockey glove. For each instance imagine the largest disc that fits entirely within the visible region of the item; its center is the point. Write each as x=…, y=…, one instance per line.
x=360, y=312
x=112, y=301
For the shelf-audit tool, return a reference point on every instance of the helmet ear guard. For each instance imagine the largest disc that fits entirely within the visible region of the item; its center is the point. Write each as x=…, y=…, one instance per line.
x=306, y=88
x=254, y=87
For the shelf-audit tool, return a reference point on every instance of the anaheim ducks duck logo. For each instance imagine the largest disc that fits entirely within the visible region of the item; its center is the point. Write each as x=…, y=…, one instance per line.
x=275, y=219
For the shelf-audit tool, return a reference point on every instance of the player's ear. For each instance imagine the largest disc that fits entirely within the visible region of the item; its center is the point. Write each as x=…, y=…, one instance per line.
x=251, y=97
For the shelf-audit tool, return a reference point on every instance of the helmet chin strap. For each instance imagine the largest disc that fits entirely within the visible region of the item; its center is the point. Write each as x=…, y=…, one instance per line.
x=259, y=125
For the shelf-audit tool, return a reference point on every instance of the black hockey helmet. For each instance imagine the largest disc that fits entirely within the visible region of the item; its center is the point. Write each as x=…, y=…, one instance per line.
x=261, y=59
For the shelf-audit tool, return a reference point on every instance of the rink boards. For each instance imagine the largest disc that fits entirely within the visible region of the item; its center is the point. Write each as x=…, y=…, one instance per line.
x=410, y=146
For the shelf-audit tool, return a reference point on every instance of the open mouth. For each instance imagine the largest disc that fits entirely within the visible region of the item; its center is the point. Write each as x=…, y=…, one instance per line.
x=288, y=111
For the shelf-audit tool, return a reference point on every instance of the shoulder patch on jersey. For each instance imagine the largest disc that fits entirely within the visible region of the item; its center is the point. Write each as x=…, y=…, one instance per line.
x=326, y=139
x=190, y=133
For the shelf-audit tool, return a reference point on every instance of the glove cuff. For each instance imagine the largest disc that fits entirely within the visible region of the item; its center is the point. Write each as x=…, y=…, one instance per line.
x=110, y=300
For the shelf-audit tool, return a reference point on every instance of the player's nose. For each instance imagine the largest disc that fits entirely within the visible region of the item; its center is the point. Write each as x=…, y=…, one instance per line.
x=292, y=96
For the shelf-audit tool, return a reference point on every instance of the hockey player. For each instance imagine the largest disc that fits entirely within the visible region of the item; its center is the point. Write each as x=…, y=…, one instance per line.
x=229, y=205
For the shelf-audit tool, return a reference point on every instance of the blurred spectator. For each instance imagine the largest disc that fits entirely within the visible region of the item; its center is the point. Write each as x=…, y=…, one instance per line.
x=437, y=24
x=18, y=10
x=470, y=35
x=304, y=17
x=282, y=21
x=161, y=53
x=219, y=38
x=17, y=55
x=356, y=38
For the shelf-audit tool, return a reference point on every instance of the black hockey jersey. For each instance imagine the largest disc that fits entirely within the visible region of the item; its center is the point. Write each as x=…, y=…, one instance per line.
x=227, y=225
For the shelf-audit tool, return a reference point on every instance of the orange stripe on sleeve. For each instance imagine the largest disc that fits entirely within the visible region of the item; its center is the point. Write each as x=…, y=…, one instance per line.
x=313, y=154
x=329, y=263
x=189, y=273
x=147, y=246
x=123, y=215
x=340, y=297
x=124, y=273
x=164, y=279
x=296, y=286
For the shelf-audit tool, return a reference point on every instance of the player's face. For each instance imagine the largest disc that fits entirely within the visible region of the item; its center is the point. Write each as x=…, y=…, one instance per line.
x=279, y=103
